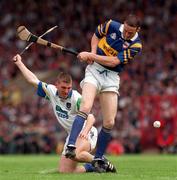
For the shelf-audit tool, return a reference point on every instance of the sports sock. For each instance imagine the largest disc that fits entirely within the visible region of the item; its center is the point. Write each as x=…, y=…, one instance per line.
x=103, y=140
x=89, y=167
x=77, y=127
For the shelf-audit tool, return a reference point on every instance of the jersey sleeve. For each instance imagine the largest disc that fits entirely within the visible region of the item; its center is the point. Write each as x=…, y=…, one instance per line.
x=128, y=54
x=46, y=90
x=76, y=100
x=102, y=29
x=78, y=103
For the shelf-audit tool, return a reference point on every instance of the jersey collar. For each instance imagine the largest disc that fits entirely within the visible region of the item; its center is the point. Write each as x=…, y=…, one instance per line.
x=121, y=30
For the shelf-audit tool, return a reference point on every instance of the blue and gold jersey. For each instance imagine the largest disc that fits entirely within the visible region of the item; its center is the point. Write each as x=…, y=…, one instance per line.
x=112, y=44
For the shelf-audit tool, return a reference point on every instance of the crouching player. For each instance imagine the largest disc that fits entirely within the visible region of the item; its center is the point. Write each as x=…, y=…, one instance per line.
x=65, y=103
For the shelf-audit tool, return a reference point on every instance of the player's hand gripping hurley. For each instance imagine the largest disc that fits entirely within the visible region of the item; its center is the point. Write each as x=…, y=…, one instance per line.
x=26, y=35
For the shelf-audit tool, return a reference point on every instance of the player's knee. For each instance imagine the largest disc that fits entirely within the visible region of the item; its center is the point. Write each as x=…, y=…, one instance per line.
x=109, y=124
x=85, y=108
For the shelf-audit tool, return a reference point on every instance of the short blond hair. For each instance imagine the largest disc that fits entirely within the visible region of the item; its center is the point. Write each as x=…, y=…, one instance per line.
x=64, y=77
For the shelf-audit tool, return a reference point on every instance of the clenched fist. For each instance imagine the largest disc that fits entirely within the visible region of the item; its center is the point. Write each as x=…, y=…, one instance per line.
x=16, y=58
x=86, y=57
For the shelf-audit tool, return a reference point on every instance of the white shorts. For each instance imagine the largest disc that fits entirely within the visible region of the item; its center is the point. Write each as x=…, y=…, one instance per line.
x=92, y=138
x=102, y=78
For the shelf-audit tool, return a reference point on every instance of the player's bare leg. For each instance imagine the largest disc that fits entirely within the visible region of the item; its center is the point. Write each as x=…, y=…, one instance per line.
x=70, y=166
x=82, y=150
x=66, y=165
x=89, y=92
x=108, y=102
x=80, y=169
x=88, y=95
x=82, y=155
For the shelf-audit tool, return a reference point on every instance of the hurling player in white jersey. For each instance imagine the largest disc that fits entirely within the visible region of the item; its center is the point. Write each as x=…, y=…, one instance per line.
x=65, y=103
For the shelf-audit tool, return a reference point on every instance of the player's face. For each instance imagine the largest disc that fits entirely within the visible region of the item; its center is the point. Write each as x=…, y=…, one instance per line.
x=129, y=31
x=63, y=88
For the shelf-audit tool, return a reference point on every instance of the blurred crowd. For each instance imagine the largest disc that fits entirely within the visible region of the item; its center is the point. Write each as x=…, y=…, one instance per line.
x=148, y=89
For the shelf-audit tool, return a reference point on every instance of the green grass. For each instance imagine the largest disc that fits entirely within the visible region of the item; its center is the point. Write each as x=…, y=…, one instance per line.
x=130, y=167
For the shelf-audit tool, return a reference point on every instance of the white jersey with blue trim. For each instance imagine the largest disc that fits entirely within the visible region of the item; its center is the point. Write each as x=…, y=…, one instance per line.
x=65, y=109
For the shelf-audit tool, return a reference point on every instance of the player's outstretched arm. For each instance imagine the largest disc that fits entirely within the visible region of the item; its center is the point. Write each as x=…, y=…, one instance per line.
x=89, y=123
x=29, y=76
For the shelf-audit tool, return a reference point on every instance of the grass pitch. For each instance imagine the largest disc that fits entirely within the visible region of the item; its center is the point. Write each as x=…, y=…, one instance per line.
x=130, y=167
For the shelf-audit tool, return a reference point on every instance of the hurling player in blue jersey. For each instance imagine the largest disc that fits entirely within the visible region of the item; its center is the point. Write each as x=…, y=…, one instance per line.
x=113, y=45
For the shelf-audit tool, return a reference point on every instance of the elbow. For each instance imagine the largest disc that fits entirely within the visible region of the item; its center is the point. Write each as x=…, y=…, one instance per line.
x=95, y=37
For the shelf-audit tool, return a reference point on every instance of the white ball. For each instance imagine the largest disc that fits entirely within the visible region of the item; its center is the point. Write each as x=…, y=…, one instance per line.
x=156, y=124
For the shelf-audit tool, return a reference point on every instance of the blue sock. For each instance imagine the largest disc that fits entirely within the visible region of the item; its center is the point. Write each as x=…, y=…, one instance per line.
x=103, y=140
x=88, y=167
x=77, y=127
